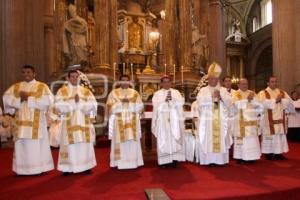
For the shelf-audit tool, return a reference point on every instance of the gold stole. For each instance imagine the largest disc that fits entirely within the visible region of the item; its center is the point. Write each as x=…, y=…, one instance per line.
x=126, y=130
x=272, y=122
x=243, y=123
x=36, y=113
x=85, y=128
x=216, y=128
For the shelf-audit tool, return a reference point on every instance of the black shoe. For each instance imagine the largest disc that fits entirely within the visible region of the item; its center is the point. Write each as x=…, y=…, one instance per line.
x=174, y=164
x=66, y=173
x=164, y=166
x=251, y=161
x=89, y=171
x=212, y=165
x=279, y=157
x=269, y=156
x=241, y=161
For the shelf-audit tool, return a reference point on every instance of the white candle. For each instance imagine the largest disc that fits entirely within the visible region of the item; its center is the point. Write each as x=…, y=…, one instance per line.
x=165, y=69
x=131, y=68
x=182, y=74
x=123, y=68
x=114, y=71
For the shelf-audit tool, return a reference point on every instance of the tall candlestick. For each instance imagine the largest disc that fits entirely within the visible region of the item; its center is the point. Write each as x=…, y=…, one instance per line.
x=182, y=74
x=123, y=68
x=174, y=71
x=131, y=68
x=165, y=69
x=114, y=71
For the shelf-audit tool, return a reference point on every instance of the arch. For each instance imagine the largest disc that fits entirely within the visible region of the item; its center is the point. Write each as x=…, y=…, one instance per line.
x=255, y=58
x=248, y=10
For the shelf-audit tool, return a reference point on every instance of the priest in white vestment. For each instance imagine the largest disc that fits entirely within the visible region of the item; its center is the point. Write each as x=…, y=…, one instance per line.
x=75, y=104
x=214, y=103
x=227, y=84
x=294, y=119
x=168, y=124
x=191, y=136
x=29, y=101
x=246, y=125
x=125, y=106
x=54, y=124
x=276, y=103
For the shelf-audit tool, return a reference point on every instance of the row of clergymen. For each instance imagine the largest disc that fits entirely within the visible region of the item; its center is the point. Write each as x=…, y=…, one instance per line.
x=76, y=106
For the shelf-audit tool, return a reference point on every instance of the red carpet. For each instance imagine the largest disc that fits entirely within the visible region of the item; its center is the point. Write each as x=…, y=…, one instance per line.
x=262, y=180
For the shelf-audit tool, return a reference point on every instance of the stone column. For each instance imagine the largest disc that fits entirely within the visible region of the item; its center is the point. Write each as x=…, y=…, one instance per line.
x=228, y=66
x=297, y=39
x=113, y=32
x=168, y=35
x=185, y=38
x=284, y=43
x=49, y=41
x=216, y=33
x=102, y=27
x=22, y=39
x=241, y=67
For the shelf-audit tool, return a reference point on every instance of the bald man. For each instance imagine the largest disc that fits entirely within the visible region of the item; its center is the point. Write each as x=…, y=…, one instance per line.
x=247, y=118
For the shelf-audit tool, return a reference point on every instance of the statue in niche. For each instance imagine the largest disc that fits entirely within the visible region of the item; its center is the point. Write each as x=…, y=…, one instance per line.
x=91, y=36
x=200, y=50
x=236, y=26
x=236, y=30
x=135, y=35
x=75, y=38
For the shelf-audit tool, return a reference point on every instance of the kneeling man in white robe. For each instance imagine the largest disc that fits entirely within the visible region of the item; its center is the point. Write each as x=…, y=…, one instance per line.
x=29, y=102
x=214, y=103
x=76, y=104
x=125, y=106
x=168, y=124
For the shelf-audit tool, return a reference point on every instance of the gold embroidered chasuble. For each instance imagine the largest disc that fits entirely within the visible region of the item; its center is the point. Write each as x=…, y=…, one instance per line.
x=30, y=114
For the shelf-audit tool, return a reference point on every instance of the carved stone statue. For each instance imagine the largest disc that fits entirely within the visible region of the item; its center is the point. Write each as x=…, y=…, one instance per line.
x=91, y=39
x=200, y=50
x=236, y=26
x=75, y=38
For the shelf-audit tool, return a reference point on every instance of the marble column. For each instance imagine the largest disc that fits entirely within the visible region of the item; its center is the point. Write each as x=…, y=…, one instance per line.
x=113, y=32
x=241, y=67
x=228, y=71
x=102, y=55
x=216, y=33
x=284, y=43
x=22, y=39
x=49, y=41
x=297, y=51
x=168, y=35
x=185, y=36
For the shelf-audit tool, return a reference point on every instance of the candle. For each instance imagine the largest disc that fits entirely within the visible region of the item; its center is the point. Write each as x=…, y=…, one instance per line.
x=131, y=68
x=123, y=68
x=182, y=74
x=114, y=71
x=165, y=69
x=174, y=72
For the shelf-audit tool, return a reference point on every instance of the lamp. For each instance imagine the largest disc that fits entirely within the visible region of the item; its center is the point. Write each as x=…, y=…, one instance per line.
x=235, y=80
